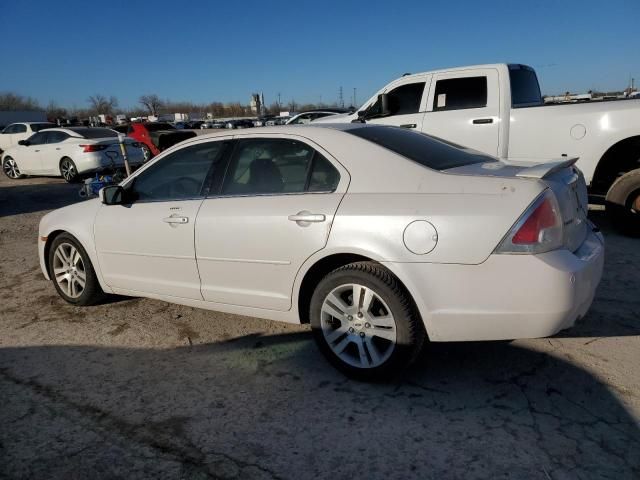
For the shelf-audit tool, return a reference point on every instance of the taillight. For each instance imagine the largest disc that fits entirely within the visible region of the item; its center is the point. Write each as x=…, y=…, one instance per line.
x=93, y=148
x=539, y=230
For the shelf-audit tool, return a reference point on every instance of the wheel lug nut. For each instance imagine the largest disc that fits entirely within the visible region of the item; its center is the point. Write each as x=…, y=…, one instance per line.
x=351, y=330
x=359, y=314
x=367, y=325
x=362, y=334
x=349, y=317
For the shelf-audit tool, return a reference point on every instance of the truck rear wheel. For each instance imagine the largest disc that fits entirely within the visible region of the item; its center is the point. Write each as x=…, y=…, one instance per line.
x=623, y=203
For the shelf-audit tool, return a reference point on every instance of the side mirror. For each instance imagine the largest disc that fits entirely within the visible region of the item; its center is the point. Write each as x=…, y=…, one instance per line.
x=24, y=143
x=111, y=195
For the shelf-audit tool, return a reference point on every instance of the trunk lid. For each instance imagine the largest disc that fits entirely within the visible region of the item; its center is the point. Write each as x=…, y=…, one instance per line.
x=560, y=176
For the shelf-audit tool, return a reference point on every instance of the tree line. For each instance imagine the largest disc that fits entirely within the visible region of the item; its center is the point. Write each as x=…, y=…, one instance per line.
x=148, y=104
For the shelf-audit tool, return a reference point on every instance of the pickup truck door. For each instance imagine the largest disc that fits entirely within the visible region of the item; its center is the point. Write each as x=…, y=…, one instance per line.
x=464, y=107
x=407, y=99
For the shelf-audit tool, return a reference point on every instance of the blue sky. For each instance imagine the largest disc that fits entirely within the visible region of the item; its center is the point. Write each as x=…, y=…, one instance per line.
x=202, y=51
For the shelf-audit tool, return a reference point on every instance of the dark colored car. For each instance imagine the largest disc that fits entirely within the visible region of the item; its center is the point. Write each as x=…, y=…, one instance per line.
x=157, y=136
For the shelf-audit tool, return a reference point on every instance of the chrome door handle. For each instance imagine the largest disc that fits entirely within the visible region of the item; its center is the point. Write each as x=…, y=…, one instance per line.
x=173, y=219
x=304, y=218
x=409, y=125
x=482, y=121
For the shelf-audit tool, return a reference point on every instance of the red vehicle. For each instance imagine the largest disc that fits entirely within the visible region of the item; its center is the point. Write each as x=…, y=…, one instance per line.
x=156, y=137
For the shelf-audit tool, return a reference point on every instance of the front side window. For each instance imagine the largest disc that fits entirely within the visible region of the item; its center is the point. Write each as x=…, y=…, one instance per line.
x=460, y=93
x=278, y=166
x=182, y=174
x=39, y=138
x=19, y=128
x=406, y=98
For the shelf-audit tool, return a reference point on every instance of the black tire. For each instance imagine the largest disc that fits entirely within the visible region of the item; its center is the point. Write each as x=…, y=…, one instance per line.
x=92, y=293
x=69, y=171
x=623, y=203
x=10, y=168
x=409, y=329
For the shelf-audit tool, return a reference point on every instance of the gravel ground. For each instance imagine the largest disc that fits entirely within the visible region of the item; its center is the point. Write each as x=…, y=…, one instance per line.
x=139, y=388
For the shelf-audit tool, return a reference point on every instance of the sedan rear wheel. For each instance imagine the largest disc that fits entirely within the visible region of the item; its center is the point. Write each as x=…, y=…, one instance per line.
x=68, y=170
x=10, y=168
x=72, y=272
x=365, y=323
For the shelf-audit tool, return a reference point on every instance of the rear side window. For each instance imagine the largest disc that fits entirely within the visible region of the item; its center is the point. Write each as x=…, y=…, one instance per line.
x=428, y=151
x=405, y=99
x=36, y=127
x=278, y=166
x=56, y=137
x=460, y=93
x=525, y=90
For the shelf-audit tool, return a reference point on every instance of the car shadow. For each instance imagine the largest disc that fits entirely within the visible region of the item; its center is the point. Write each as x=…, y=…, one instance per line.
x=28, y=198
x=271, y=407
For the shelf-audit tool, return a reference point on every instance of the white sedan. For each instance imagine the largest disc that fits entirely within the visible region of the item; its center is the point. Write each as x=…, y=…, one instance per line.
x=377, y=236
x=70, y=153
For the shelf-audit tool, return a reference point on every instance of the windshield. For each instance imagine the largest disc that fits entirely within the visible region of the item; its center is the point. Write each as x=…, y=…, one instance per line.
x=95, y=132
x=428, y=151
x=154, y=127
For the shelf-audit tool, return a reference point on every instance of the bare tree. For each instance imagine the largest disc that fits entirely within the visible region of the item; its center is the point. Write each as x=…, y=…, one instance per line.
x=151, y=102
x=101, y=105
x=13, y=102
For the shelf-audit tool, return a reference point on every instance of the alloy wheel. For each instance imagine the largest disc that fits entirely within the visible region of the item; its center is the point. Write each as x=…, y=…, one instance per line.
x=69, y=270
x=358, y=326
x=11, y=168
x=68, y=170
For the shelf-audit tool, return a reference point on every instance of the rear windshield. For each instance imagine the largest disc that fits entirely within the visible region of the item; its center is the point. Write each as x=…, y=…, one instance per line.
x=429, y=151
x=154, y=127
x=525, y=90
x=36, y=127
x=95, y=132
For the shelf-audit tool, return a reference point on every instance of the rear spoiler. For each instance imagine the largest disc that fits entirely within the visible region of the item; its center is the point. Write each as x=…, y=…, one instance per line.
x=543, y=170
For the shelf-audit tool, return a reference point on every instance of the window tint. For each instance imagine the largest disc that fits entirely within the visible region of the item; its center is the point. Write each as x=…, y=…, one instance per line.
x=36, y=127
x=306, y=118
x=423, y=149
x=19, y=128
x=181, y=174
x=155, y=127
x=324, y=176
x=55, y=137
x=525, y=91
x=95, y=132
x=38, y=138
x=459, y=93
x=406, y=98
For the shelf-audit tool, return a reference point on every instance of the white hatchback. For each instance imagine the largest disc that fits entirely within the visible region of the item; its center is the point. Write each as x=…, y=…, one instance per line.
x=377, y=236
x=69, y=153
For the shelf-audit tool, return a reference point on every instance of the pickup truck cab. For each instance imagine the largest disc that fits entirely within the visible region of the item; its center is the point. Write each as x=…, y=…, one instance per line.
x=15, y=132
x=498, y=109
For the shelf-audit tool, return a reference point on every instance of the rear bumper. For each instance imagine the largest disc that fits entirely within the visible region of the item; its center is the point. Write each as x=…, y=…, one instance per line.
x=507, y=296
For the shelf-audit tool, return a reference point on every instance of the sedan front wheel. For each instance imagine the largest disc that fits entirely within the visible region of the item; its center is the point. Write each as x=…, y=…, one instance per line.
x=10, y=168
x=72, y=273
x=365, y=323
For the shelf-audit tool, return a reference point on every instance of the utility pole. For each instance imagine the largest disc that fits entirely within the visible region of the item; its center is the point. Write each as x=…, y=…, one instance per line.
x=354, y=105
x=340, y=98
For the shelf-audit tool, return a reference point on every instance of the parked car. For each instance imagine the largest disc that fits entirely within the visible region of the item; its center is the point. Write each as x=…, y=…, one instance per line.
x=498, y=109
x=309, y=116
x=443, y=242
x=156, y=137
x=70, y=153
x=15, y=132
x=241, y=123
x=194, y=125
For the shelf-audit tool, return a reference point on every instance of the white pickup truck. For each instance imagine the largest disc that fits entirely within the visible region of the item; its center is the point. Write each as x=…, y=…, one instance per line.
x=498, y=109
